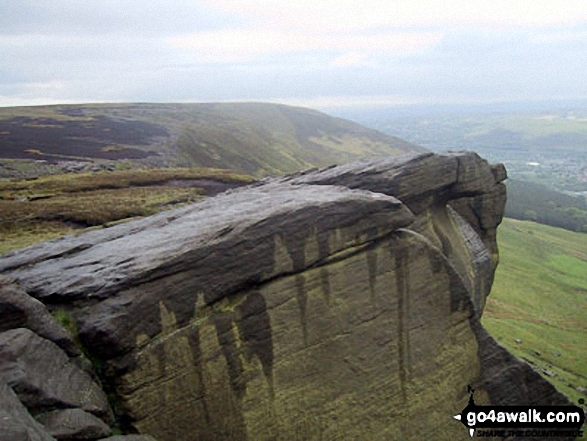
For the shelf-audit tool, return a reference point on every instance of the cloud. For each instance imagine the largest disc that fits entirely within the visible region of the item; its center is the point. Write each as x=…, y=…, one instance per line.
x=341, y=101
x=352, y=59
x=355, y=15
x=241, y=45
x=182, y=50
x=557, y=36
x=105, y=17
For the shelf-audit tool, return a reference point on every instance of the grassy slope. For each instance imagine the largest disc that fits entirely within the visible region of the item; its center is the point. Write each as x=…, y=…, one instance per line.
x=252, y=138
x=540, y=297
x=48, y=207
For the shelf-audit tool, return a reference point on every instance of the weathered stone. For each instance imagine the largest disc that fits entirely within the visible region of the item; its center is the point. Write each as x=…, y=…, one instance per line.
x=427, y=181
x=335, y=304
x=74, y=425
x=92, y=267
x=44, y=377
x=15, y=422
x=416, y=180
x=19, y=310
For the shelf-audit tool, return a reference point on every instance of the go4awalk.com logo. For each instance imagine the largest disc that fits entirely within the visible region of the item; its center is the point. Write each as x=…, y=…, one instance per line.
x=522, y=421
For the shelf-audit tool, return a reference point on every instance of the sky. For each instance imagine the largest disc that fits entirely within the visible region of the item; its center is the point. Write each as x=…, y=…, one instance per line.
x=315, y=53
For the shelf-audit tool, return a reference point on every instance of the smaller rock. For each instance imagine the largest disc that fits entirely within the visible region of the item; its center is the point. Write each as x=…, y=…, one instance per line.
x=16, y=424
x=518, y=341
x=19, y=310
x=537, y=353
x=582, y=390
x=45, y=378
x=74, y=425
x=548, y=373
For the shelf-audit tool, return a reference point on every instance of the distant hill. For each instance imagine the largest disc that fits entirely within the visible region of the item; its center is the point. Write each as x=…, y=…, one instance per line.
x=253, y=138
x=536, y=202
x=541, y=145
x=560, y=132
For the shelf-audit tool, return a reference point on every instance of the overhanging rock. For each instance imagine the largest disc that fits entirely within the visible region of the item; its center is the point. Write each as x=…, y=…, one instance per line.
x=337, y=304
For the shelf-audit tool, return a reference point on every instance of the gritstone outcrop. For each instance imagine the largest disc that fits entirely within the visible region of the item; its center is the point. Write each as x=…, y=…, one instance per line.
x=336, y=304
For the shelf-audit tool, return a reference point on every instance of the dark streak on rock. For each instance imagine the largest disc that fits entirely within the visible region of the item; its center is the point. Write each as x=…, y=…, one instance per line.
x=295, y=245
x=325, y=284
x=372, y=265
x=223, y=322
x=323, y=245
x=302, y=303
x=436, y=262
x=194, y=342
x=400, y=256
x=255, y=331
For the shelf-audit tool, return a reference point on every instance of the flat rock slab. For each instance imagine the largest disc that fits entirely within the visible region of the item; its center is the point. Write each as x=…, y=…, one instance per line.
x=96, y=265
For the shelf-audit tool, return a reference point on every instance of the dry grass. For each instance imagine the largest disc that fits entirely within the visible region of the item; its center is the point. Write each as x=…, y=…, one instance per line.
x=48, y=207
x=71, y=183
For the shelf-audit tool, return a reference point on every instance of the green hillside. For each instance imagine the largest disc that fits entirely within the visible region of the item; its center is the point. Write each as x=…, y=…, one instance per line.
x=253, y=138
x=540, y=298
x=537, y=202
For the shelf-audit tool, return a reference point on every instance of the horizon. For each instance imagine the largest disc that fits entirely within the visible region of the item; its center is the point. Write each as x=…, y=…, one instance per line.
x=327, y=55
x=362, y=113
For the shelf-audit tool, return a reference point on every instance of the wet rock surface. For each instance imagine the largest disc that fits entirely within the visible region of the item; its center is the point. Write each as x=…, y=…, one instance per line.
x=334, y=304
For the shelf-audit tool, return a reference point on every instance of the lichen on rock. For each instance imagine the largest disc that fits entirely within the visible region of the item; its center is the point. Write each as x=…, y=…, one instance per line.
x=342, y=303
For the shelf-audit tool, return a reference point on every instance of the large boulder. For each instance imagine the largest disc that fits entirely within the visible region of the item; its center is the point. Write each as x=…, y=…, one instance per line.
x=335, y=304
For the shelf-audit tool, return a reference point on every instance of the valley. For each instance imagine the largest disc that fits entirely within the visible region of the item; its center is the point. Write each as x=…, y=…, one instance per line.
x=540, y=145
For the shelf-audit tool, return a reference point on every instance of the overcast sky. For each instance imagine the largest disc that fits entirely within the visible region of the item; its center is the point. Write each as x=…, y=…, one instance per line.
x=306, y=52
